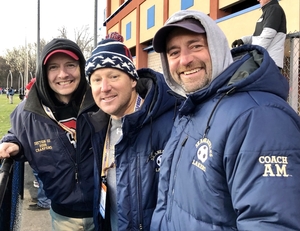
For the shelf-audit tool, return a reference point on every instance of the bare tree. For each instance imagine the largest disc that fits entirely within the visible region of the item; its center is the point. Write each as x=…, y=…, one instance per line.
x=82, y=37
x=4, y=70
x=63, y=32
x=16, y=60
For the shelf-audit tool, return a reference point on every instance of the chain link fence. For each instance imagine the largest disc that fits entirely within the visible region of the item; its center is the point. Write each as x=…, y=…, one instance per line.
x=291, y=68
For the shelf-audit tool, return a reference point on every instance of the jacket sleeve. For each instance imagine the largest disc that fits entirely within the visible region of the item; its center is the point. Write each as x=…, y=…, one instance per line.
x=262, y=164
x=265, y=38
x=15, y=130
x=247, y=39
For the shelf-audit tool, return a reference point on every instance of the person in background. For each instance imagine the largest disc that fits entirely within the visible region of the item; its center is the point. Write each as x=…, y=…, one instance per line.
x=270, y=31
x=234, y=151
x=11, y=93
x=50, y=130
x=132, y=127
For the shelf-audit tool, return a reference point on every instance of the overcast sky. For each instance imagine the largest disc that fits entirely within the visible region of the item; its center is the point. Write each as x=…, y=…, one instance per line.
x=18, y=19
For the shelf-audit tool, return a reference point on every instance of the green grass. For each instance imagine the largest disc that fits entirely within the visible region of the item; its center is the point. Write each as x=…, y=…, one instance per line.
x=5, y=109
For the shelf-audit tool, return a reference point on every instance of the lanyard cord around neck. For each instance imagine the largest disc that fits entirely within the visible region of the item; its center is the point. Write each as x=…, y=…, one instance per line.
x=69, y=130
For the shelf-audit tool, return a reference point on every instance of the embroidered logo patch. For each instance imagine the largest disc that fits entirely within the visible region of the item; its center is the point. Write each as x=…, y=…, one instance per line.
x=203, y=153
x=274, y=166
x=156, y=157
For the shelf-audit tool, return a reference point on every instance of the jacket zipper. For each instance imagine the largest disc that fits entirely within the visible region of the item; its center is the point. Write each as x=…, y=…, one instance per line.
x=140, y=211
x=76, y=173
x=77, y=156
x=174, y=178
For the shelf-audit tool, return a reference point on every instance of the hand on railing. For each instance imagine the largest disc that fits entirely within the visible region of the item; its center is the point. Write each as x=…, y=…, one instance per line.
x=8, y=149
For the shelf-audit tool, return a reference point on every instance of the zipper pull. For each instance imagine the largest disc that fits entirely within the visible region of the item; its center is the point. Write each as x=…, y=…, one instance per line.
x=76, y=176
x=184, y=141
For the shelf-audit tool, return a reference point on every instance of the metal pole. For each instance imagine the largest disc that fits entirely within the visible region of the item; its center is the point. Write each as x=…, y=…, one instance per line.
x=25, y=80
x=38, y=34
x=95, y=23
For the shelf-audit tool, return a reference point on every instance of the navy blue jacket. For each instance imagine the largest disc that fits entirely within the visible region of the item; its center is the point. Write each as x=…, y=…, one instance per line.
x=233, y=159
x=138, y=153
x=66, y=172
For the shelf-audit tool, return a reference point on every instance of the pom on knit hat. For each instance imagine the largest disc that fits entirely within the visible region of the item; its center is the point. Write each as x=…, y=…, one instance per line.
x=110, y=53
x=115, y=36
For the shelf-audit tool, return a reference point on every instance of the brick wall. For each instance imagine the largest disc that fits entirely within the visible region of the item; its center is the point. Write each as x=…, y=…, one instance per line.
x=154, y=61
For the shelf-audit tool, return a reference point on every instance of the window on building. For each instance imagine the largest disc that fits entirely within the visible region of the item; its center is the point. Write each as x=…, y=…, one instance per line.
x=128, y=31
x=185, y=4
x=151, y=17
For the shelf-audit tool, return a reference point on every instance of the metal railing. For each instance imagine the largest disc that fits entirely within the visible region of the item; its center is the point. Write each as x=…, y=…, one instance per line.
x=11, y=193
x=5, y=171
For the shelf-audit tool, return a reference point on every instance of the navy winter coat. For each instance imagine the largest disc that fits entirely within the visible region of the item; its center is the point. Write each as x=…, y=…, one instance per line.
x=233, y=159
x=66, y=172
x=138, y=154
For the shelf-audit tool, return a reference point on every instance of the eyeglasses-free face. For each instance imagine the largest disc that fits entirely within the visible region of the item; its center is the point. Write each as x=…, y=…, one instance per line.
x=63, y=75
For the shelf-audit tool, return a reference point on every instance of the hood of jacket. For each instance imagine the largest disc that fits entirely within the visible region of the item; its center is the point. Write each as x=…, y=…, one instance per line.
x=45, y=93
x=153, y=89
x=217, y=45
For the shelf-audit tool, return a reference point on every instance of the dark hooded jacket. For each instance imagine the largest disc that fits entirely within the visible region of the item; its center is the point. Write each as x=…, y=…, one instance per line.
x=233, y=159
x=137, y=154
x=66, y=171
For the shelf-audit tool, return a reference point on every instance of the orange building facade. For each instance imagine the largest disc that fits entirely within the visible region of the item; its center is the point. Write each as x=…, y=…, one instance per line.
x=138, y=21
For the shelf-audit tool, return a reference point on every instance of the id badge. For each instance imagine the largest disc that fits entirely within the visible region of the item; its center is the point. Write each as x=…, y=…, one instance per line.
x=103, y=200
